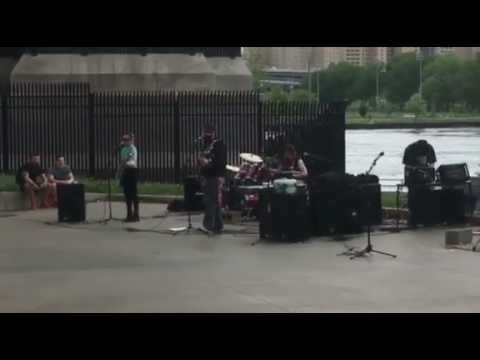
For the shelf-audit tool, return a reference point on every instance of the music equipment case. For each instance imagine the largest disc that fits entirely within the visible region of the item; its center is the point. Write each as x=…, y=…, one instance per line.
x=71, y=203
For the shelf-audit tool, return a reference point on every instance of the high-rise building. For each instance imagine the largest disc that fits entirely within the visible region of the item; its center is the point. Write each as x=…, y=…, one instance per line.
x=351, y=55
x=381, y=54
x=404, y=50
x=358, y=55
x=444, y=50
x=303, y=58
x=467, y=53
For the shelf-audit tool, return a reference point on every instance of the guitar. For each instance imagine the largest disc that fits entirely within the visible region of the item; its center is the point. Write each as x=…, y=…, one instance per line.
x=204, y=158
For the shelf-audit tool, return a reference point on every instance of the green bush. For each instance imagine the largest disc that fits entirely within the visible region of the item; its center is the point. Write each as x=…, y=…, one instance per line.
x=362, y=110
x=277, y=95
x=416, y=105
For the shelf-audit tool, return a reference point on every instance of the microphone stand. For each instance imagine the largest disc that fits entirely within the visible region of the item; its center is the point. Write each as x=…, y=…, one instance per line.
x=369, y=248
x=109, y=191
x=188, y=205
x=374, y=163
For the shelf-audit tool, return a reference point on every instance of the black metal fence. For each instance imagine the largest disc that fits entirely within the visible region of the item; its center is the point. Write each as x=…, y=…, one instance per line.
x=69, y=119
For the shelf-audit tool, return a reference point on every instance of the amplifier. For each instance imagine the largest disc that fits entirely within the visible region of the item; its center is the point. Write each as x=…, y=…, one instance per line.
x=453, y=206
x=453, y=174
x=370, y=205
x=71, y=203
x=290, y=220
x=425, y=205
x=193, y=194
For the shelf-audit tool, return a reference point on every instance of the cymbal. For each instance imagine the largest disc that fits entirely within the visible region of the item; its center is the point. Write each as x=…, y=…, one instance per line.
x=251, y=158
x=234, y=169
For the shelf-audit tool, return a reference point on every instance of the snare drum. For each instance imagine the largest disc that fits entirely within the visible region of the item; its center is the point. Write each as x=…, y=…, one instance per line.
x=245, y=169
x=262, y=175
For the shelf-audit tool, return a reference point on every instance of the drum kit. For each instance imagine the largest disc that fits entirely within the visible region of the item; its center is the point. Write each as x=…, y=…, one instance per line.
x=252, y=172
x=245, y=182
x=253, y=176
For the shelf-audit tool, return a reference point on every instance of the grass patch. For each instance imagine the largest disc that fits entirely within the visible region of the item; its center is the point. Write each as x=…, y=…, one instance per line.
x=378, y=118
x=7, y=183
x=389, y=199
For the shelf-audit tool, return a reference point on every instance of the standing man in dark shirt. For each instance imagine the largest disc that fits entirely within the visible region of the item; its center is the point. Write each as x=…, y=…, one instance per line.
x=213, y=164
x=419, y=154
x=419, y=159
x=31, y=179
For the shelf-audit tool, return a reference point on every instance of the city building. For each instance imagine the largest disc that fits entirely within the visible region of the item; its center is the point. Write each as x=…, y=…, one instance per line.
x=467, y=53
x=383, y=54
x=319, y=58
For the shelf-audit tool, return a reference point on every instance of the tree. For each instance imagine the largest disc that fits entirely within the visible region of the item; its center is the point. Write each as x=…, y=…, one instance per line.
x=416, y=105
x=443, y=86
x=401, y=78
x=363, y=109
x=335, y=83
x=255, y=63
x=364, y=85
x=468, y=80
x=301, y=95
x=277, y=95
x=385, y=106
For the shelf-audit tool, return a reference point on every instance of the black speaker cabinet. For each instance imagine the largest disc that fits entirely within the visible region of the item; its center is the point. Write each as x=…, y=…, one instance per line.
x=290, y=217
x=370, y=204
x=284, y=217
x=193, y=194
x=345, y=205
x=71, y=203
x=265, y=214
x=453, y=174
x=453, y=206
x=424, y=205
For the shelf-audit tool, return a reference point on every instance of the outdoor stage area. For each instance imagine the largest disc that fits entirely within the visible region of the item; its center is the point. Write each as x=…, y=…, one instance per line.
x=104, y=268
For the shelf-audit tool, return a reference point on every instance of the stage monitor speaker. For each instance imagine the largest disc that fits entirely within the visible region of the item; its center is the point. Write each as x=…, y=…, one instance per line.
x=193, y=194
x=71, y=203
x=453, y=206
x=453, y=174
x=334, y=211
x=370, y=204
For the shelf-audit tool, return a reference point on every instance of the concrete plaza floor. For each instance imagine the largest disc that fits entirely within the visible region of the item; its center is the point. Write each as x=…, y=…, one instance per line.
x=104, y=268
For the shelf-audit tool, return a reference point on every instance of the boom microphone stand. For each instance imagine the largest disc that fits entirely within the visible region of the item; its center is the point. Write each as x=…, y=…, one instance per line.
x=369, y=248
x=108, y=199
x=188, y=229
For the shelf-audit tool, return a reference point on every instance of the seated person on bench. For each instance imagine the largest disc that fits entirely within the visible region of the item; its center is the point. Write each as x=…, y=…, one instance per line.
x=31, y=179
x=60, y=174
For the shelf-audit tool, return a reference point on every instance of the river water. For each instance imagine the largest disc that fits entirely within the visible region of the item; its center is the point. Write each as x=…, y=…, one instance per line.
x=457, y=145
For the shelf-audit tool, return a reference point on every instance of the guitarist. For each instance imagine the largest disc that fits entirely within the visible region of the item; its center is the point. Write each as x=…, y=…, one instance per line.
x=212, y=163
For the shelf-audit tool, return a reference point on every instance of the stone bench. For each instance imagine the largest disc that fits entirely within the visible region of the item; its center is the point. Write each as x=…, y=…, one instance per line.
x=14, y=201
x=17, y=201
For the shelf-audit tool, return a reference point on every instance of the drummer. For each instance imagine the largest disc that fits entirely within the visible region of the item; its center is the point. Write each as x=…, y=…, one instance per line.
x=294, y=163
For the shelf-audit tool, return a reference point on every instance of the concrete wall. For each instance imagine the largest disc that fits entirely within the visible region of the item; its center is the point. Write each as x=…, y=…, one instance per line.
x=136, y=72
x=7, y=65
x=231, y=74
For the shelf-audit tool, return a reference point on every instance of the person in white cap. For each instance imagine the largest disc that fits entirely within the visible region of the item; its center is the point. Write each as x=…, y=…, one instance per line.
x=129, y=177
